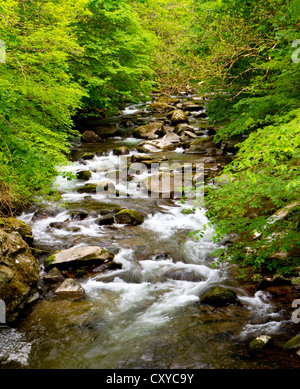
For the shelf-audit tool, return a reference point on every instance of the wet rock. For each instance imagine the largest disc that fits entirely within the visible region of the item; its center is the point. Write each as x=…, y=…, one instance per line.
x=260, y=342
x=11, y=224
x=41, y=214
x=90, y=137
x=168, y=100
x=155, y=146
x=178, y=116
x=171, y=137
x=123, y=150
x=70, y=287
x=57, y=225
x=87, y=156
x=158, y=107
x=84, y=175
x=88, y=188
x=180, y=128
x=105, y=220
x=192, y=107
x=219, y=297
x=292, y=344
x=150, y=131
x=19, y=274
x=129, y=216
x=202, y=146
x=84, y=258
x=139, y=157
x=54, y=276
x=106, y=130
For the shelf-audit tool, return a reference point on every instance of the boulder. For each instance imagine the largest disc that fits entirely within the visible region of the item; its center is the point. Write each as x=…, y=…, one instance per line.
x=260, y=342
x=219, y=297
x=88, y=188
x=123, y=150
x=42, y=213
x=84, y=175
x=150, y=131
x=19, y=274
x=11, y=224
x=157, y=107
x=83, y=258
x=90, y=137
x=181, y=127
x=139, y=157
x=70, y=288
x=202, y=146
x=171, y=137
x=178, y=116
x=107, y=220
x=129, y=216
x=155, y=146
x=106, y=130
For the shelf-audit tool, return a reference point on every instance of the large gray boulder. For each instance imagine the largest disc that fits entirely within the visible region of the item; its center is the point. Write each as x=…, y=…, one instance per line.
x=19, y=274
x=78, y=258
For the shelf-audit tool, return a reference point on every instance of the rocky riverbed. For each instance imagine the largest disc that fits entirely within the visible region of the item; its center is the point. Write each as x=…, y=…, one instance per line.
x=104, y=274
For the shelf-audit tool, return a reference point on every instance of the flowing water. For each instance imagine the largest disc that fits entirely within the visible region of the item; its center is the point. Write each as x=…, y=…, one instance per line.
x=146, y=314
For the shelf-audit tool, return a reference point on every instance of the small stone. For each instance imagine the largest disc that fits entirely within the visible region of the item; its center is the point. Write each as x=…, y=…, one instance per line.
x=260, y=342
x=54, y=276
x=70, y=287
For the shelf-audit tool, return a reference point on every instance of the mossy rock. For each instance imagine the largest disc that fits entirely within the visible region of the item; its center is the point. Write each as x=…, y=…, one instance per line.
x=293, y=343
x=129, y=216
x=123, y=150
x=219, y=297
x=11, y=224
x=260, y=342
x=85, y=258
x=84, y=175
x=87, y=156
x=88, y=188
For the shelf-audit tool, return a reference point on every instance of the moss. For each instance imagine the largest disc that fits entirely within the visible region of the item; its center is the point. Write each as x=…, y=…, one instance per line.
x=293, y=343
x=88, y=156
x=48, y=262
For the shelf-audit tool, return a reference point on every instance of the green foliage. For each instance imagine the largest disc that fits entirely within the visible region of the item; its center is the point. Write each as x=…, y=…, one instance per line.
x=117, y=64
x=61, y=57
x=37, y=94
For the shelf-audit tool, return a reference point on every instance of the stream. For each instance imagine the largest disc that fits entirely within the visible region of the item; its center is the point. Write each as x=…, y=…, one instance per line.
x=147, y=313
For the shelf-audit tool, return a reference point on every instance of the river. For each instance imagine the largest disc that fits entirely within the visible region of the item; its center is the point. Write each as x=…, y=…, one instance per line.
x=146, y=314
